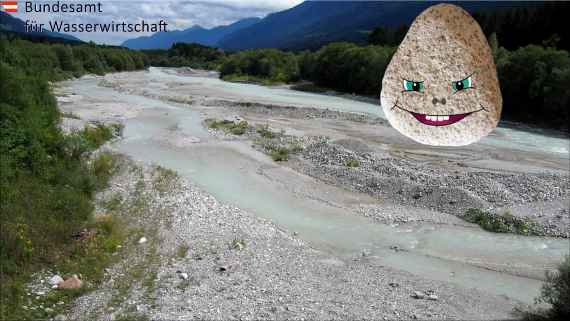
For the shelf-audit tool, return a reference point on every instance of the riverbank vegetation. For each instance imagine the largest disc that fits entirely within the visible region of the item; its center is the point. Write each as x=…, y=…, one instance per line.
x=275, y=144
x=186, y=55
x=236, y=128
x=505, y=223
x=271, y=65
x=555, y=292
x=48, y=179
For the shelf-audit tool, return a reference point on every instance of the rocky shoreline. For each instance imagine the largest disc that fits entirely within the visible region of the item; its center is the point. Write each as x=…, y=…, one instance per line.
x=450, y=189
x=207, y=260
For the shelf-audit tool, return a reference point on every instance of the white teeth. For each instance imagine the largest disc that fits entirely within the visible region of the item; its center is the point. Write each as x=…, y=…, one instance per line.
x=437, y=118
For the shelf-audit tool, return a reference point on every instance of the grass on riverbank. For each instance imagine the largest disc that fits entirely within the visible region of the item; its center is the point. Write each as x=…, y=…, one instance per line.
x=80, y=245
x=506, y=223
x=352, y=162
x=87, y=257
x=238, y=128
x=275, y=144
x=100, y=134
x=265, y=132
x=279, y=154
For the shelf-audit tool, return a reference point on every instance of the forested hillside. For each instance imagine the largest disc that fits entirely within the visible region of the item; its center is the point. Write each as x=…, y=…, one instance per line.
x=186, y=55
x=46, y=181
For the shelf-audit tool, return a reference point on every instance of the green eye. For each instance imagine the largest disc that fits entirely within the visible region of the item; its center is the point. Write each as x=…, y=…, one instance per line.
x=413, y=85
x=461, y=84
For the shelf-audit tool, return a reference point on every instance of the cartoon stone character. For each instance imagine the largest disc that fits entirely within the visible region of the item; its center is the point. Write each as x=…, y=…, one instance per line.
x=441, y=86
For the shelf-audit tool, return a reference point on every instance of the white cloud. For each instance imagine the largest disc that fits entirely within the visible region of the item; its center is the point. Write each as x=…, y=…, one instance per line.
x=178, y=14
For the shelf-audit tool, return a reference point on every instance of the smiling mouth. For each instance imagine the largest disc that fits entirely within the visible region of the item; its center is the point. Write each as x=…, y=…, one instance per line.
x=438, y=120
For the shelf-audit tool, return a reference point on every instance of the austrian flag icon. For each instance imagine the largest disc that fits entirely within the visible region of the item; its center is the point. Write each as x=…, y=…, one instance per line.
x=9, y=6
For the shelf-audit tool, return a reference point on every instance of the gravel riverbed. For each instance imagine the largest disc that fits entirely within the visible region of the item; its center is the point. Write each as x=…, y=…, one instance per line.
x=206, y=259
x=234, y=265
x=449, y=186
x=448, y=189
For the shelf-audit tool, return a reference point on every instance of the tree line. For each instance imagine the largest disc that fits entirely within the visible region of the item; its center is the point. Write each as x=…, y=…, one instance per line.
x=186, y=55
x=545, y=24
x=535, y=79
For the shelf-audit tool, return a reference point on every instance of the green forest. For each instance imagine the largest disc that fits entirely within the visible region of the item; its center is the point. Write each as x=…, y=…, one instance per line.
x=46, y=181
x=186, y=55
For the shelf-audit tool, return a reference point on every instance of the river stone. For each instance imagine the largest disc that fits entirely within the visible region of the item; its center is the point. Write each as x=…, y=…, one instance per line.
x=443, y=46
x=71, y=283
x=55, y=280
x=418, y=295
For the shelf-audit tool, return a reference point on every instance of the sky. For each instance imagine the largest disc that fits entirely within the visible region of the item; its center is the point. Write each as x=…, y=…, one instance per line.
x=178, y=14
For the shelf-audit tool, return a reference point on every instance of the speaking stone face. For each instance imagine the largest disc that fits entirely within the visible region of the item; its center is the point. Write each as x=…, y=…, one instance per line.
x=441, y=87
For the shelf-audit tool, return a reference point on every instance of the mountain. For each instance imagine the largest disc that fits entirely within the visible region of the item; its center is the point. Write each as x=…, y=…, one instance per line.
x=195, y=34
x=12, y=24
x=312, y=24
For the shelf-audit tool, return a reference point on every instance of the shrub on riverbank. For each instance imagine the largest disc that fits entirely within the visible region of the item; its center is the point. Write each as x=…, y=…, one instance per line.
x=556, y=293
x=98, y=135
x=238, y=128
x=280, y=154
x=352, y=163
x=270, y=64
x=265, y=132
x=505, y=223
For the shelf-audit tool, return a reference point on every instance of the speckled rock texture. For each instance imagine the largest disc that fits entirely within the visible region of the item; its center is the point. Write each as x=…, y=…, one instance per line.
x=444, y=46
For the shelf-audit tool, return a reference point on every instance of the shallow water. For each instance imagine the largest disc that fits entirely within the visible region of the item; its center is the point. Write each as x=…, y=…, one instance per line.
x=440, y=252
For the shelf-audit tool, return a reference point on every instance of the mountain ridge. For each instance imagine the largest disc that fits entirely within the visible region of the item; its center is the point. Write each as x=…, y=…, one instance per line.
x=195, y=34
x=310, y=25
x=9, y=23
x=342, y=21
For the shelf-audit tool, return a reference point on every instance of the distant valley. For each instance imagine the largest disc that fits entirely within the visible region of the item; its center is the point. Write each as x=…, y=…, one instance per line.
x=309, y=25
x=194, y=34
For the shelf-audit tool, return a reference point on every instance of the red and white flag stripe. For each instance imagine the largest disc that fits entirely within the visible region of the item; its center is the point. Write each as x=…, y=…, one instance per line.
x=9, y=6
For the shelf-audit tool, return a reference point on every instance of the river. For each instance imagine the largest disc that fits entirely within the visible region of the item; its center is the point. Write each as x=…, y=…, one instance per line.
x=172, y=136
